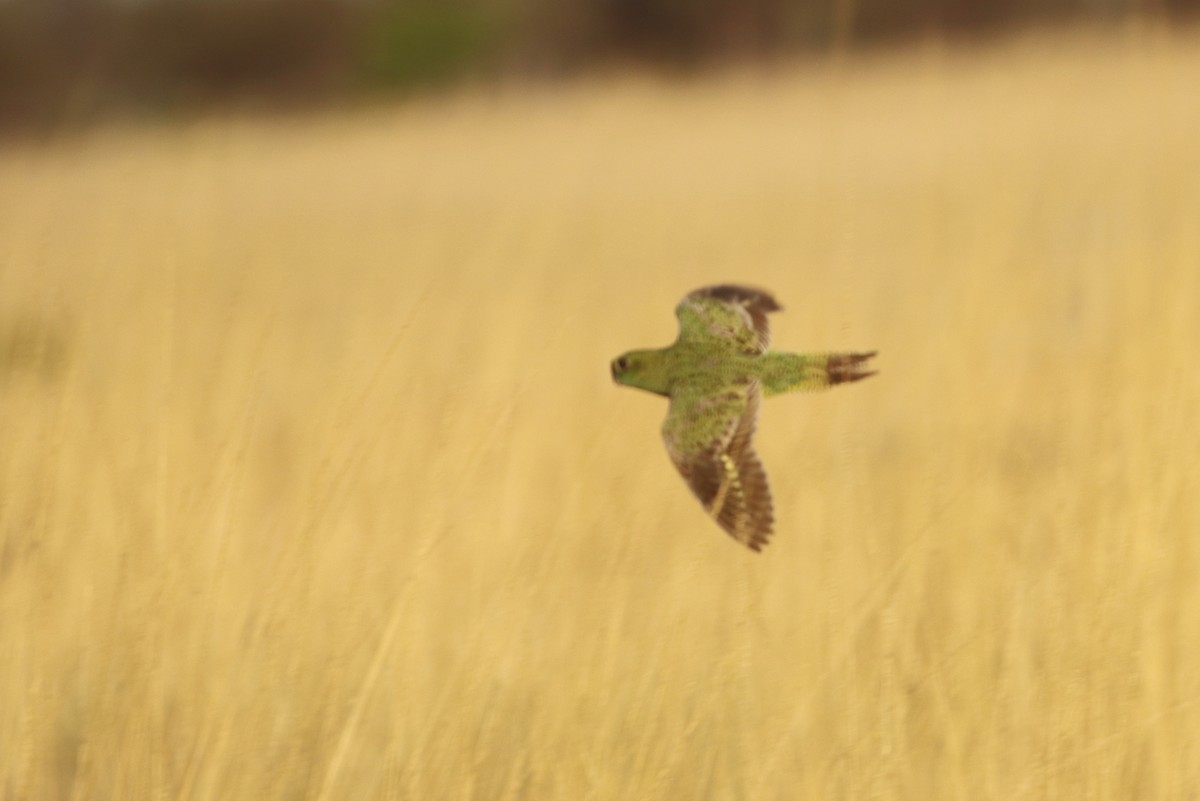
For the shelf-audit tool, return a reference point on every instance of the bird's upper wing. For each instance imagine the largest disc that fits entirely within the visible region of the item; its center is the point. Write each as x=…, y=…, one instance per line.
x=726, y=316
x=708, y=435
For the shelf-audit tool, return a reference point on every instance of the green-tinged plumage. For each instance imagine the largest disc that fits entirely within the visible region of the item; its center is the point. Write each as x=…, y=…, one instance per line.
x=715, y=374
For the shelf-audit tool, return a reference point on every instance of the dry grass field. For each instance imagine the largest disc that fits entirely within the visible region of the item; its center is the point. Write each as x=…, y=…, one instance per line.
x=314, y=484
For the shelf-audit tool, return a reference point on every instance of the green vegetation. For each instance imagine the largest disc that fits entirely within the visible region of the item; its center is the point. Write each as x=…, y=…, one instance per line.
x=407, y=46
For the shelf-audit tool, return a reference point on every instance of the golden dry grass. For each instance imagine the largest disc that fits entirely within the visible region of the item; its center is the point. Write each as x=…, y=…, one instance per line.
x=313, y=483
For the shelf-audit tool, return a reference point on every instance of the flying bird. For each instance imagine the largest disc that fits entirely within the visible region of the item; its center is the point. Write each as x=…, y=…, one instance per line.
x=715, y=375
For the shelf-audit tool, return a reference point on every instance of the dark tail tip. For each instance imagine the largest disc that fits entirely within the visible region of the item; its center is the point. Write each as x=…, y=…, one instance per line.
x=845, y=367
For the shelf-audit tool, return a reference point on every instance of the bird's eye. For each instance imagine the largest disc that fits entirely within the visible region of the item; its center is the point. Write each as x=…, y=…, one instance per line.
x=622, y=363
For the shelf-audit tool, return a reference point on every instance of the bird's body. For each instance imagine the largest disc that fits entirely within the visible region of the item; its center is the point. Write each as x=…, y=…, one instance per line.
x=698, y=368
x=715, y=375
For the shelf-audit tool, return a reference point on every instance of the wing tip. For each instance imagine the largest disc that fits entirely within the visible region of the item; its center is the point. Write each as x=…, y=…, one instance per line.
x=753, y=538
x=755, y=299
x=754, y=529
x=759, y=542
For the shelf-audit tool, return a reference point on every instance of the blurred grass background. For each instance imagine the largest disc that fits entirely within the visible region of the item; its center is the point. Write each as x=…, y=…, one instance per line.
x=313, y=483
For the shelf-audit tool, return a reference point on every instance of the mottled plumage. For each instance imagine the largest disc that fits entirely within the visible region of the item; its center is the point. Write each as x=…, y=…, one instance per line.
x=715, y=374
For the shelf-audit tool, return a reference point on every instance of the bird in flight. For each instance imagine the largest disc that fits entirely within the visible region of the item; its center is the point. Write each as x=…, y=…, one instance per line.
x=715, y=375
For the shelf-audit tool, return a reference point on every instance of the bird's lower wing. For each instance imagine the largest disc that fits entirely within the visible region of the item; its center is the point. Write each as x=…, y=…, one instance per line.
x=709, y=437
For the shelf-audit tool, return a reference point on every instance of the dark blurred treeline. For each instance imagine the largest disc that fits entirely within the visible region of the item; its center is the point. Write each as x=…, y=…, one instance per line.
x=64, y=61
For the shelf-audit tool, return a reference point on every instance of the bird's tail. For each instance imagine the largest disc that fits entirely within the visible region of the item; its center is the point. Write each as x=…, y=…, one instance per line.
x=791, y=372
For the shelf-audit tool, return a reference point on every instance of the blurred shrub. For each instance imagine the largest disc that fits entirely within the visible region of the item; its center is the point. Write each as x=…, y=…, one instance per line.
x=41, y=54
x=221, y=48
x=692, y=30
x=65, y=60
x=409, y=45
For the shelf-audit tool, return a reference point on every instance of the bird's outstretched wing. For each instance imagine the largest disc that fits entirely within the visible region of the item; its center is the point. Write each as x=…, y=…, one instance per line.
x=726, y=316
x=708, y=435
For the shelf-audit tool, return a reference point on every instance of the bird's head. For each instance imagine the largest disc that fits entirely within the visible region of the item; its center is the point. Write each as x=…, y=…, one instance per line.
x=622, y=366
x=642, y=369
